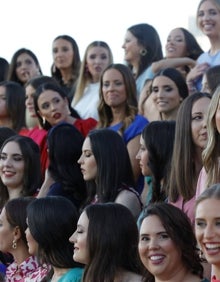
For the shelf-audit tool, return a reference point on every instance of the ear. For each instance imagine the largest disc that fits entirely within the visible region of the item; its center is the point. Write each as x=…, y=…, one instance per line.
x=39, y=112
x=17, y=233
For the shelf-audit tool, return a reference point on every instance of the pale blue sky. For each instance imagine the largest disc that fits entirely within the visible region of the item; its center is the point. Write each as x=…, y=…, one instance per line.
x=35, y=23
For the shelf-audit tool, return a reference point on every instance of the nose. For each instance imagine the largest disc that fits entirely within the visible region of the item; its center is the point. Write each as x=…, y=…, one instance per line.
x=6, y=162
x=138, y=156
x=209, y=232
x=123, y=45
x=80, y=160
x=153, y=244
x=72, y=238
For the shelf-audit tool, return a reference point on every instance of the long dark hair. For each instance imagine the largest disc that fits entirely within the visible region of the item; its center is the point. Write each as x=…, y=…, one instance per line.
x=65, y=144
x=112, y=242
x=113, y=165
x=51, y=221
x=159, y=139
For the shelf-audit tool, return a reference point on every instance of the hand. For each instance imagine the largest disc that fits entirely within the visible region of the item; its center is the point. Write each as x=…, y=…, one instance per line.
x=197, y=71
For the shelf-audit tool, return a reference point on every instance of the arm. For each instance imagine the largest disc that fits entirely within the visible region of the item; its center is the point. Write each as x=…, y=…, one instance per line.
x=48, y=181
x=133, y=147
x=172, y=63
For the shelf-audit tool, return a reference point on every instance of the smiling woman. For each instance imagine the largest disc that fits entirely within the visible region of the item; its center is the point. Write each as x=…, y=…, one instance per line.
x=167, y=245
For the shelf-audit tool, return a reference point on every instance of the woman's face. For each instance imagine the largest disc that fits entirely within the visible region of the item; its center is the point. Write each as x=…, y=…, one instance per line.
x=165, y=95
x=207, y=229
x=63, y=54
x=87, y=161
x=158, y=252
x=26, y=68
x=79, y=239
x=208, y=19
x=53, y=107
x=29, y=100
x=31, y=242
x=97, y=59
x=132, y=48
x=143, y=157
x=12, y=166
x=176, y=44
x=3, y=109
x=198, y=123
x=6, y=233
x=113, y=89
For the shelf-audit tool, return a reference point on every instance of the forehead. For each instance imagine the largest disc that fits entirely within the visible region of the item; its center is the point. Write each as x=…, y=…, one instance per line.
x=61, y=42
x=177, y=32
x=47, y=95
x=163, y=80
x=87, y=144
x=24, y=56
x=113, y=74
x=97, y=50
x=83, y=220
x=152, y=224
x=208, y=4
x=203, y=209
x=29, y=89
x=201, y=104
x=11, y=147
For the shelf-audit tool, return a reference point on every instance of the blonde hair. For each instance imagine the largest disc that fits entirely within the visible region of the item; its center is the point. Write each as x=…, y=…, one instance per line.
x=211, y=153
x=84, y=75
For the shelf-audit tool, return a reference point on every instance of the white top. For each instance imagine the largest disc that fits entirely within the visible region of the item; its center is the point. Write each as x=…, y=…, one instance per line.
x=87, y=105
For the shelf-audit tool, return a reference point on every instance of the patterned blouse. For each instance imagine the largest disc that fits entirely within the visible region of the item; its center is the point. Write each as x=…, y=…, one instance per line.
x=28, y=271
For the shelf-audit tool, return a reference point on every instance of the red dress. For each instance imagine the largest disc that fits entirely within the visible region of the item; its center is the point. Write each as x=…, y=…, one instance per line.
x=85, y=125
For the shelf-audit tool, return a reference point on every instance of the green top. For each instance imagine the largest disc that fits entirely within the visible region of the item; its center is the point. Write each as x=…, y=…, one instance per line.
x=73, y=275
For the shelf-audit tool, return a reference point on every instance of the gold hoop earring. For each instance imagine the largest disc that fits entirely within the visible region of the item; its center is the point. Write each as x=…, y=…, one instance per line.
x=143, y=52
x=43, y=120
x=14, y=244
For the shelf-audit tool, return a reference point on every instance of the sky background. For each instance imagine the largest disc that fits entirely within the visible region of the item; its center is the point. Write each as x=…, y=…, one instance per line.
x=34, y=24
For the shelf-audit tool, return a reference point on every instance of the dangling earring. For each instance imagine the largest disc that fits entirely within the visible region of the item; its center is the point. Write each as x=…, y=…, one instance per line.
x=43, y=120
x=14, y=244
x=143, y=52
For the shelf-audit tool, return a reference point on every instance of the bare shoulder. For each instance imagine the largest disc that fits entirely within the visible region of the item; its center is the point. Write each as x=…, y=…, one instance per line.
x=130, y=200
x=131, y=277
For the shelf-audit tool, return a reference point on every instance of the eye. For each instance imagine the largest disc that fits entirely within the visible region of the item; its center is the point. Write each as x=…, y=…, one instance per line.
x=144, y=238
x=168, y=88
x=3, y=157
x=200, y=223
x=45, y=106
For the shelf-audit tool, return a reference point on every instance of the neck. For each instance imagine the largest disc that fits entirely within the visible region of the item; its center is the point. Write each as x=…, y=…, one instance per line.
x=14, y=192
x=6, y=122
x=66, y=75
x=215, y=45
x=58, y=273
x=70, y=119
x=118, y=114
x=170, y=115
x=181, y=274
x=20, y=254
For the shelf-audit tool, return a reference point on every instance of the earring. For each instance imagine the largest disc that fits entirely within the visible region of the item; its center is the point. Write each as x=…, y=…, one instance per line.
x=143, y=52
x=14, y=244
x=44, y=120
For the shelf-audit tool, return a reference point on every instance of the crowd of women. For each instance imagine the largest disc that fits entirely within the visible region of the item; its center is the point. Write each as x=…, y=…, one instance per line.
x=110, y=172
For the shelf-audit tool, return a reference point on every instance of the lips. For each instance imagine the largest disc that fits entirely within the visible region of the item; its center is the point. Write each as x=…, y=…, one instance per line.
x=212, y=248
x=8, y=173
x=57, y=116
x=156, y=259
